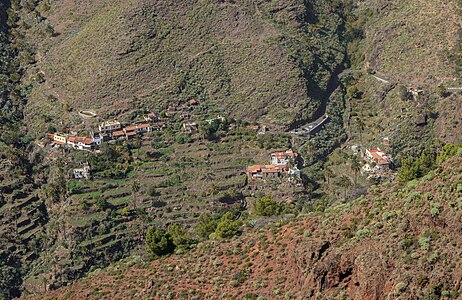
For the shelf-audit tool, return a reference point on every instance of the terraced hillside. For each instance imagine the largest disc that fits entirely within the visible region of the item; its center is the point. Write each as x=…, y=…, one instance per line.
x=171, y=177
x=399, y=242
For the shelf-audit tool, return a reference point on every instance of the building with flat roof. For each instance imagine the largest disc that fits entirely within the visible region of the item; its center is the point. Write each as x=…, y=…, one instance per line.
x=109, y=126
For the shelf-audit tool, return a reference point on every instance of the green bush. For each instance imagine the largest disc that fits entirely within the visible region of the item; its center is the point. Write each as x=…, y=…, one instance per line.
x=183, y=139
x=228, y=227
x=206, y=226
x=267, y=206
x=180, y=236
x=159, y=242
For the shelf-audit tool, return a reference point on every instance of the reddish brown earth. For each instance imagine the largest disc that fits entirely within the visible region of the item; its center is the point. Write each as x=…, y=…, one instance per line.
x=396, y=243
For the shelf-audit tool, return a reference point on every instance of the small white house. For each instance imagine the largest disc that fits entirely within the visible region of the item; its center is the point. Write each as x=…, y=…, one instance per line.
x=283, y=157
x=82, y=173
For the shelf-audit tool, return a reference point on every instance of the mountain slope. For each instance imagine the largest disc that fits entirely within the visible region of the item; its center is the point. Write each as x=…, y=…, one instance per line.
x=400, y=243
x=253, y=59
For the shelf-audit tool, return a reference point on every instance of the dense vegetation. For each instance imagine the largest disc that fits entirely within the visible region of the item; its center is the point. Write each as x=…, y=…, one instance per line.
x=429, y=159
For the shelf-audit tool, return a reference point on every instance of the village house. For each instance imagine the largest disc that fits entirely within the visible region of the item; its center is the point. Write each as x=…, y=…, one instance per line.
x=139, y=128
x=193, y=102
x=130, y=134
x=59, y=138
x=171, y=109
x=279, y=167
x=415, y=92
x=254, y=127
x=266, y=171
x=262, y=130
x=283, y=157
x=185, y=115
x=294, y=175
x=218, y=118
x=84, y=172
x=110, y=126
x=379, y=157
x=151, y=117
x=190, y=128
x=120, y=134
x=81, y=143
x=98, y=138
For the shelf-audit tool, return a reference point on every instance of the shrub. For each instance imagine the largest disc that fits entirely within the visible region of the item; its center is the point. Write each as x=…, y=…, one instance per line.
x=267, y=206
x=433, y=257
x=180, y=236
x=448, y=151
x=159, y=242
x=435, y=209
x=228, y=226
x=424, y=243
x=403, y=93
x=183, y=139
x=102, y=203
x=442, y=91
x=206, y=226
x=400, y=287
x=415, y=168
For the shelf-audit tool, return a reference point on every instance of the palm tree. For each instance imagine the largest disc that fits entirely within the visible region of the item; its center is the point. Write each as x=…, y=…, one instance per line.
x=328, y=174
x=361, y=125
x=135, y=189
x=345, y=182
x=355, y=167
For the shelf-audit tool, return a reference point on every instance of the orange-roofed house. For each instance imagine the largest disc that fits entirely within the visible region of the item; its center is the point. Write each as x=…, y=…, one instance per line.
x=118, y=135
x=139, y=128
x=266, y=171
x=81, y=143
x=379, y=157
x=151, y=117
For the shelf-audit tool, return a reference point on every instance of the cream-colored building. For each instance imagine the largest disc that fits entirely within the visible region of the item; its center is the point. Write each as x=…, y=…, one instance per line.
x=110, y=126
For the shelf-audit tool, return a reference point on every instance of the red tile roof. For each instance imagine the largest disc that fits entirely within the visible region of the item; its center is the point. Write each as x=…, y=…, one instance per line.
x=118, y=133
x=80, y=139
x=130, y=128
x=380, y=157
x=143, y=125
x=254, y=168
x=267, y=168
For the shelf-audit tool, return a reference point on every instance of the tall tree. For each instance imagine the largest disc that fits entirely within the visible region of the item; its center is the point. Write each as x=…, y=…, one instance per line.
x=361, y=125
x=345, y=182
x=355, y=167
x=328, y=174
x=135, y=190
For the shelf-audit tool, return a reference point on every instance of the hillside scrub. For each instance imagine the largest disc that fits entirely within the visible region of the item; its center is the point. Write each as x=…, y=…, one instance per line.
x=430, y=158
x=380, y=246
